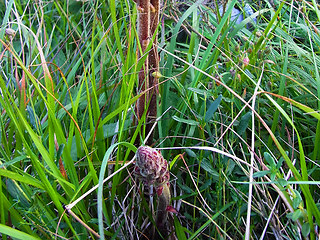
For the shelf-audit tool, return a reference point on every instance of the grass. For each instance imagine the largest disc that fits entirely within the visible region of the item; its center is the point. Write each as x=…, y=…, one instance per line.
x=239, y=120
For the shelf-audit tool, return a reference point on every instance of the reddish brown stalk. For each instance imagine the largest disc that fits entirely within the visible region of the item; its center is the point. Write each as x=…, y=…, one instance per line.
x=153, y=66
x=148, y=20
x=143, y=7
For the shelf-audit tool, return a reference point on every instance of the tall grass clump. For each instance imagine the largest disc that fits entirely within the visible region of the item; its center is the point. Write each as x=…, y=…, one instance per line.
x=233, y=102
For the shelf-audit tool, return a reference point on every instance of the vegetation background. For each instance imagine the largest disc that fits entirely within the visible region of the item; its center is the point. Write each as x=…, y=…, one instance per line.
x=239, y=119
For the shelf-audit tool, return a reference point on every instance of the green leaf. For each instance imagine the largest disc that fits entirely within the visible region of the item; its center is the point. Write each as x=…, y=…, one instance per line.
x=200, y=91
x=186, y=189
x=13, y=161
x=179, y=229
x=24, y=178
x=305, y=230
x=279, y=163
x=295, y=215
x=273, y=176
x=101, y=179
x=207, y=166
x=187, y=121
x=282, y=182
x=260, y=173
x=296, y=200
x=173, y=161
x=16, y=234
x=244, y=122
x=191, y=153
x=210, y=221
x=60, y=150
x=269, y=159
x=212, y=108
x=179, y=86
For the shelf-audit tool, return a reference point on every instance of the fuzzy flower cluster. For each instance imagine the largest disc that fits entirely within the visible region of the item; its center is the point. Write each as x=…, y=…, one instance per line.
x=151, y=167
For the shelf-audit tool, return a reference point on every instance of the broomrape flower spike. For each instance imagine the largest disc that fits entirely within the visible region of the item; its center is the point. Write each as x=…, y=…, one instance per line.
x=153, y=169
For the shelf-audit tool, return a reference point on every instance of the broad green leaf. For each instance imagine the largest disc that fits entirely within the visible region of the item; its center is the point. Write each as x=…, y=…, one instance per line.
x=282, y=182
x=207, y=166
x=244, y=122
x=200, y=91
x=279, y=163
x=305, y=230
x=212, y=108
x=295, y=215
x=269, y=159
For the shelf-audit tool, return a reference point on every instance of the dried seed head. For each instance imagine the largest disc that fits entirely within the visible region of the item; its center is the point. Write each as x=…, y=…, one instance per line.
x=151, y=167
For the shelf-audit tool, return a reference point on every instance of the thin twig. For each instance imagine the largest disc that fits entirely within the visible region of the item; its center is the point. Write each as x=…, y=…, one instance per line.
x=83, y=223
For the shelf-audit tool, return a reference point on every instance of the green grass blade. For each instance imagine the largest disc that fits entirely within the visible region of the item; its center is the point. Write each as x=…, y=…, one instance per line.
x=24, y=178
x=101, y=179
x=16, y=234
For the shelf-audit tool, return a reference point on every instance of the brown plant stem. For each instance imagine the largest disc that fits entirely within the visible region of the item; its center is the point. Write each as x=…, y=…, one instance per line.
x=153, y=66
x=143, y=8
x=148, y=21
